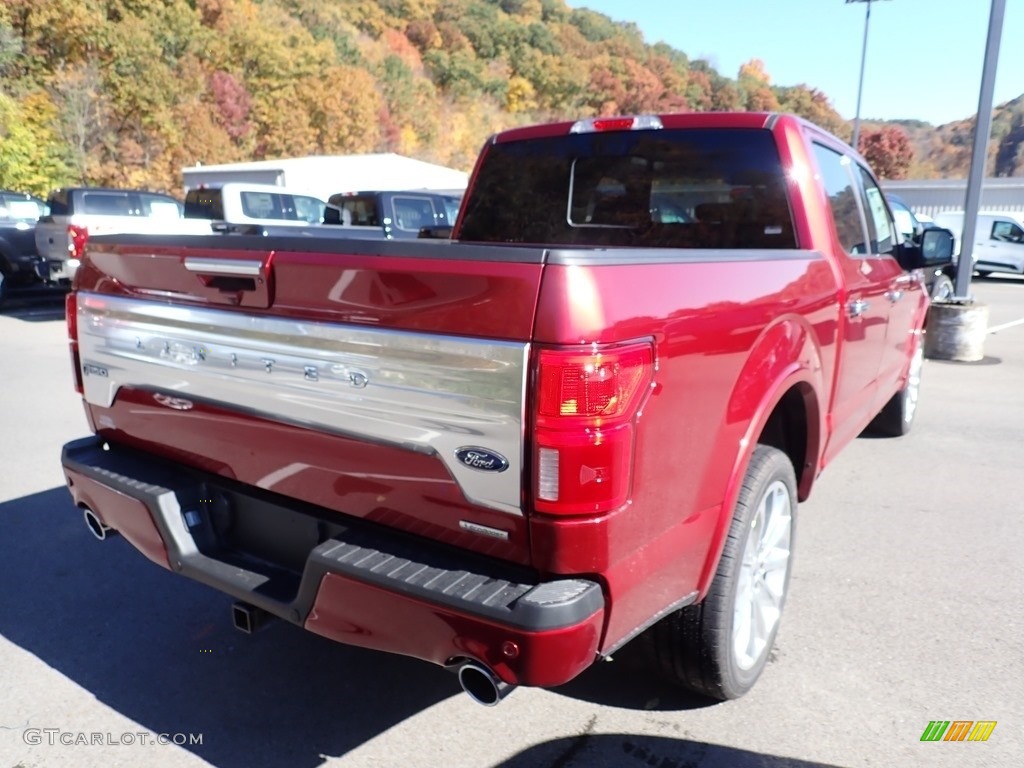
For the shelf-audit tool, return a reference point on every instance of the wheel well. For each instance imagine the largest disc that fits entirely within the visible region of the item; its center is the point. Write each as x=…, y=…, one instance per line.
x=786, y=429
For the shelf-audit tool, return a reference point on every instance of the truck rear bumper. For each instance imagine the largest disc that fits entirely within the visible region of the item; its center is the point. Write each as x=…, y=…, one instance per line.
x=349, y=580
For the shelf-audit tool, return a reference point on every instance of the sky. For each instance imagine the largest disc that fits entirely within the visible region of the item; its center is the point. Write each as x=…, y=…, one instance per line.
x=924, y=57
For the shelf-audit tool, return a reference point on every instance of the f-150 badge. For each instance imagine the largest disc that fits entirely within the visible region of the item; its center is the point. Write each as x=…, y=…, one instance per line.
x=481, y=459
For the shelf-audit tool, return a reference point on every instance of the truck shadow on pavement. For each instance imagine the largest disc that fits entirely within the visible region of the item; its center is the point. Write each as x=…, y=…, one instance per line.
x=37, y=306
x=624, y=750
x=160, y=650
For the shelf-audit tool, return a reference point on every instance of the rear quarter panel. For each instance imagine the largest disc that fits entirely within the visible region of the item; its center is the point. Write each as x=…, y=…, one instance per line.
x=733, y=332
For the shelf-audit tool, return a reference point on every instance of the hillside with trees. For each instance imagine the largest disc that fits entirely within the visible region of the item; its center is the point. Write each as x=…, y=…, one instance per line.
x=945, y=152
x=128, y=92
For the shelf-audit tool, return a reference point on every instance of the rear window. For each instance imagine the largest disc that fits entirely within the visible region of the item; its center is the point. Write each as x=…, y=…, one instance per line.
x=204, y=204
x=107, y=204
x=688, y=188
x=357, y=210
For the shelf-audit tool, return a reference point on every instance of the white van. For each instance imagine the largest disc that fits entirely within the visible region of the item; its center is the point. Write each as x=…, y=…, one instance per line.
x=240, y=204
x=998, y=240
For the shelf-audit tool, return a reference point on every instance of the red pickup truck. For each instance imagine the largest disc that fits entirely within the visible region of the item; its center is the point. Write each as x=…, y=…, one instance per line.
x=587, y=417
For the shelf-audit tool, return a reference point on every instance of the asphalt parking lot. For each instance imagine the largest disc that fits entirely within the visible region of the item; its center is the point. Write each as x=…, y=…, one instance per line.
x=906, y=607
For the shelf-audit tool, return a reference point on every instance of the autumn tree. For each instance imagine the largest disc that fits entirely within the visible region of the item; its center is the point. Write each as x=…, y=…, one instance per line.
x=130, y=91
x=755, y=87
x=813, y=105
x=29, y=156
x=887, y=150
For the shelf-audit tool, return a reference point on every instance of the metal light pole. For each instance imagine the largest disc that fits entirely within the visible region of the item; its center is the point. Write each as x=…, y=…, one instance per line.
x=957, y=328
x=979, y=154
x=863, y=60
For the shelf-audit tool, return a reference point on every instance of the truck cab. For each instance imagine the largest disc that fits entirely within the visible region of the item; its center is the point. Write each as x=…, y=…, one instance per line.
x=396, y=215
x=236, y=204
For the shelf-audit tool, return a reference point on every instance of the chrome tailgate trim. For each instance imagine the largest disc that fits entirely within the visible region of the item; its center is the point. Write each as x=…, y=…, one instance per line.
x=422, y=392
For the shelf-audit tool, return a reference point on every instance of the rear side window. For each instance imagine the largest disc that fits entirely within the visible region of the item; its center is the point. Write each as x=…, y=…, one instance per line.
x=412, y=213
x=451, y=208
x=685, y=188
x=262, y=205
x=160, y=206
x=308, y=209
x=107, y=204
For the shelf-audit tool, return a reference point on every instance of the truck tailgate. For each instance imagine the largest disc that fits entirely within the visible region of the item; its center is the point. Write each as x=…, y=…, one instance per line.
x=383, y=381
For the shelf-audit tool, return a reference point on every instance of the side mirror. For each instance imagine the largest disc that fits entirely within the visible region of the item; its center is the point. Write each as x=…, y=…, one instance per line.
x=935, y=250
x=936, y=247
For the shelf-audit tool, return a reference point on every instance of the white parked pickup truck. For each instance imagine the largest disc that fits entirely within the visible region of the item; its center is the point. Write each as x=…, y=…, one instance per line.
x=238, y=204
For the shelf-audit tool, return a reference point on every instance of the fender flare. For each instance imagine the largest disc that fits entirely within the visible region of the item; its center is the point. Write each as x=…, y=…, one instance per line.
x=799, y=370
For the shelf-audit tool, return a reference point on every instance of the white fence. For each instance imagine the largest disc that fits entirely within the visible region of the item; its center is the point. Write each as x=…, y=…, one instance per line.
x=932, y=196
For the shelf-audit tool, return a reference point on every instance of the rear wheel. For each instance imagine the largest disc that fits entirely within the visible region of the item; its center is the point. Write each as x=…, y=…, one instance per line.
x=897, y=417
x=3, y=287
x=719, y=647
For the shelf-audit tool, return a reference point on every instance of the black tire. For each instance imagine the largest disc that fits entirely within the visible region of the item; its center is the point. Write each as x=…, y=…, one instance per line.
x=4, y=285
x=897, y=417
x=942, y=289
x=698, y=647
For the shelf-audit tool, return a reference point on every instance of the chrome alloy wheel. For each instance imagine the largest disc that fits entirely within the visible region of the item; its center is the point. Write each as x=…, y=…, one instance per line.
x=761, y=586
x=913, y=387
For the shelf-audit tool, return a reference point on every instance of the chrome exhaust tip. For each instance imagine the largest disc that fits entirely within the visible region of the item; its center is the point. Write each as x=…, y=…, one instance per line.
x=482, y=685
x=96, y=526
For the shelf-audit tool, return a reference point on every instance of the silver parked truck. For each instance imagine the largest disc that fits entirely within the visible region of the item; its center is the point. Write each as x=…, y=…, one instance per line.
x=998, y=240
x=77, y=213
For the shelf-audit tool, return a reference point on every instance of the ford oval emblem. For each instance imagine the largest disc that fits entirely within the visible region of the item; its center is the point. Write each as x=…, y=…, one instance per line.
x=481, y=459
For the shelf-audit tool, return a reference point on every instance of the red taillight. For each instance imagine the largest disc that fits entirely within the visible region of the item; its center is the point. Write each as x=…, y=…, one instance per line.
x=587, y=403
x=77, y=237
x=71, y=316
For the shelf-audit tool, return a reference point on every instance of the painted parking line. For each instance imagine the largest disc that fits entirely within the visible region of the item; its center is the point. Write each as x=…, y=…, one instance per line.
x=1004, y=326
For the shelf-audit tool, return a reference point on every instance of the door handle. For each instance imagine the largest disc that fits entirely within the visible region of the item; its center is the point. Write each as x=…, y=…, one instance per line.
x=857, y=308
x=894, y=295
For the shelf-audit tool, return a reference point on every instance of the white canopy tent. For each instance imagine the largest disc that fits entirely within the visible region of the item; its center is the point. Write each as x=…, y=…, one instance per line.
x=325, y=175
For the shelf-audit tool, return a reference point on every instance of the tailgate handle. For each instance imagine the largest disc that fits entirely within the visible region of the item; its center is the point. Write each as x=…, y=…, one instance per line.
x=226, y=275
x=226, y=267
